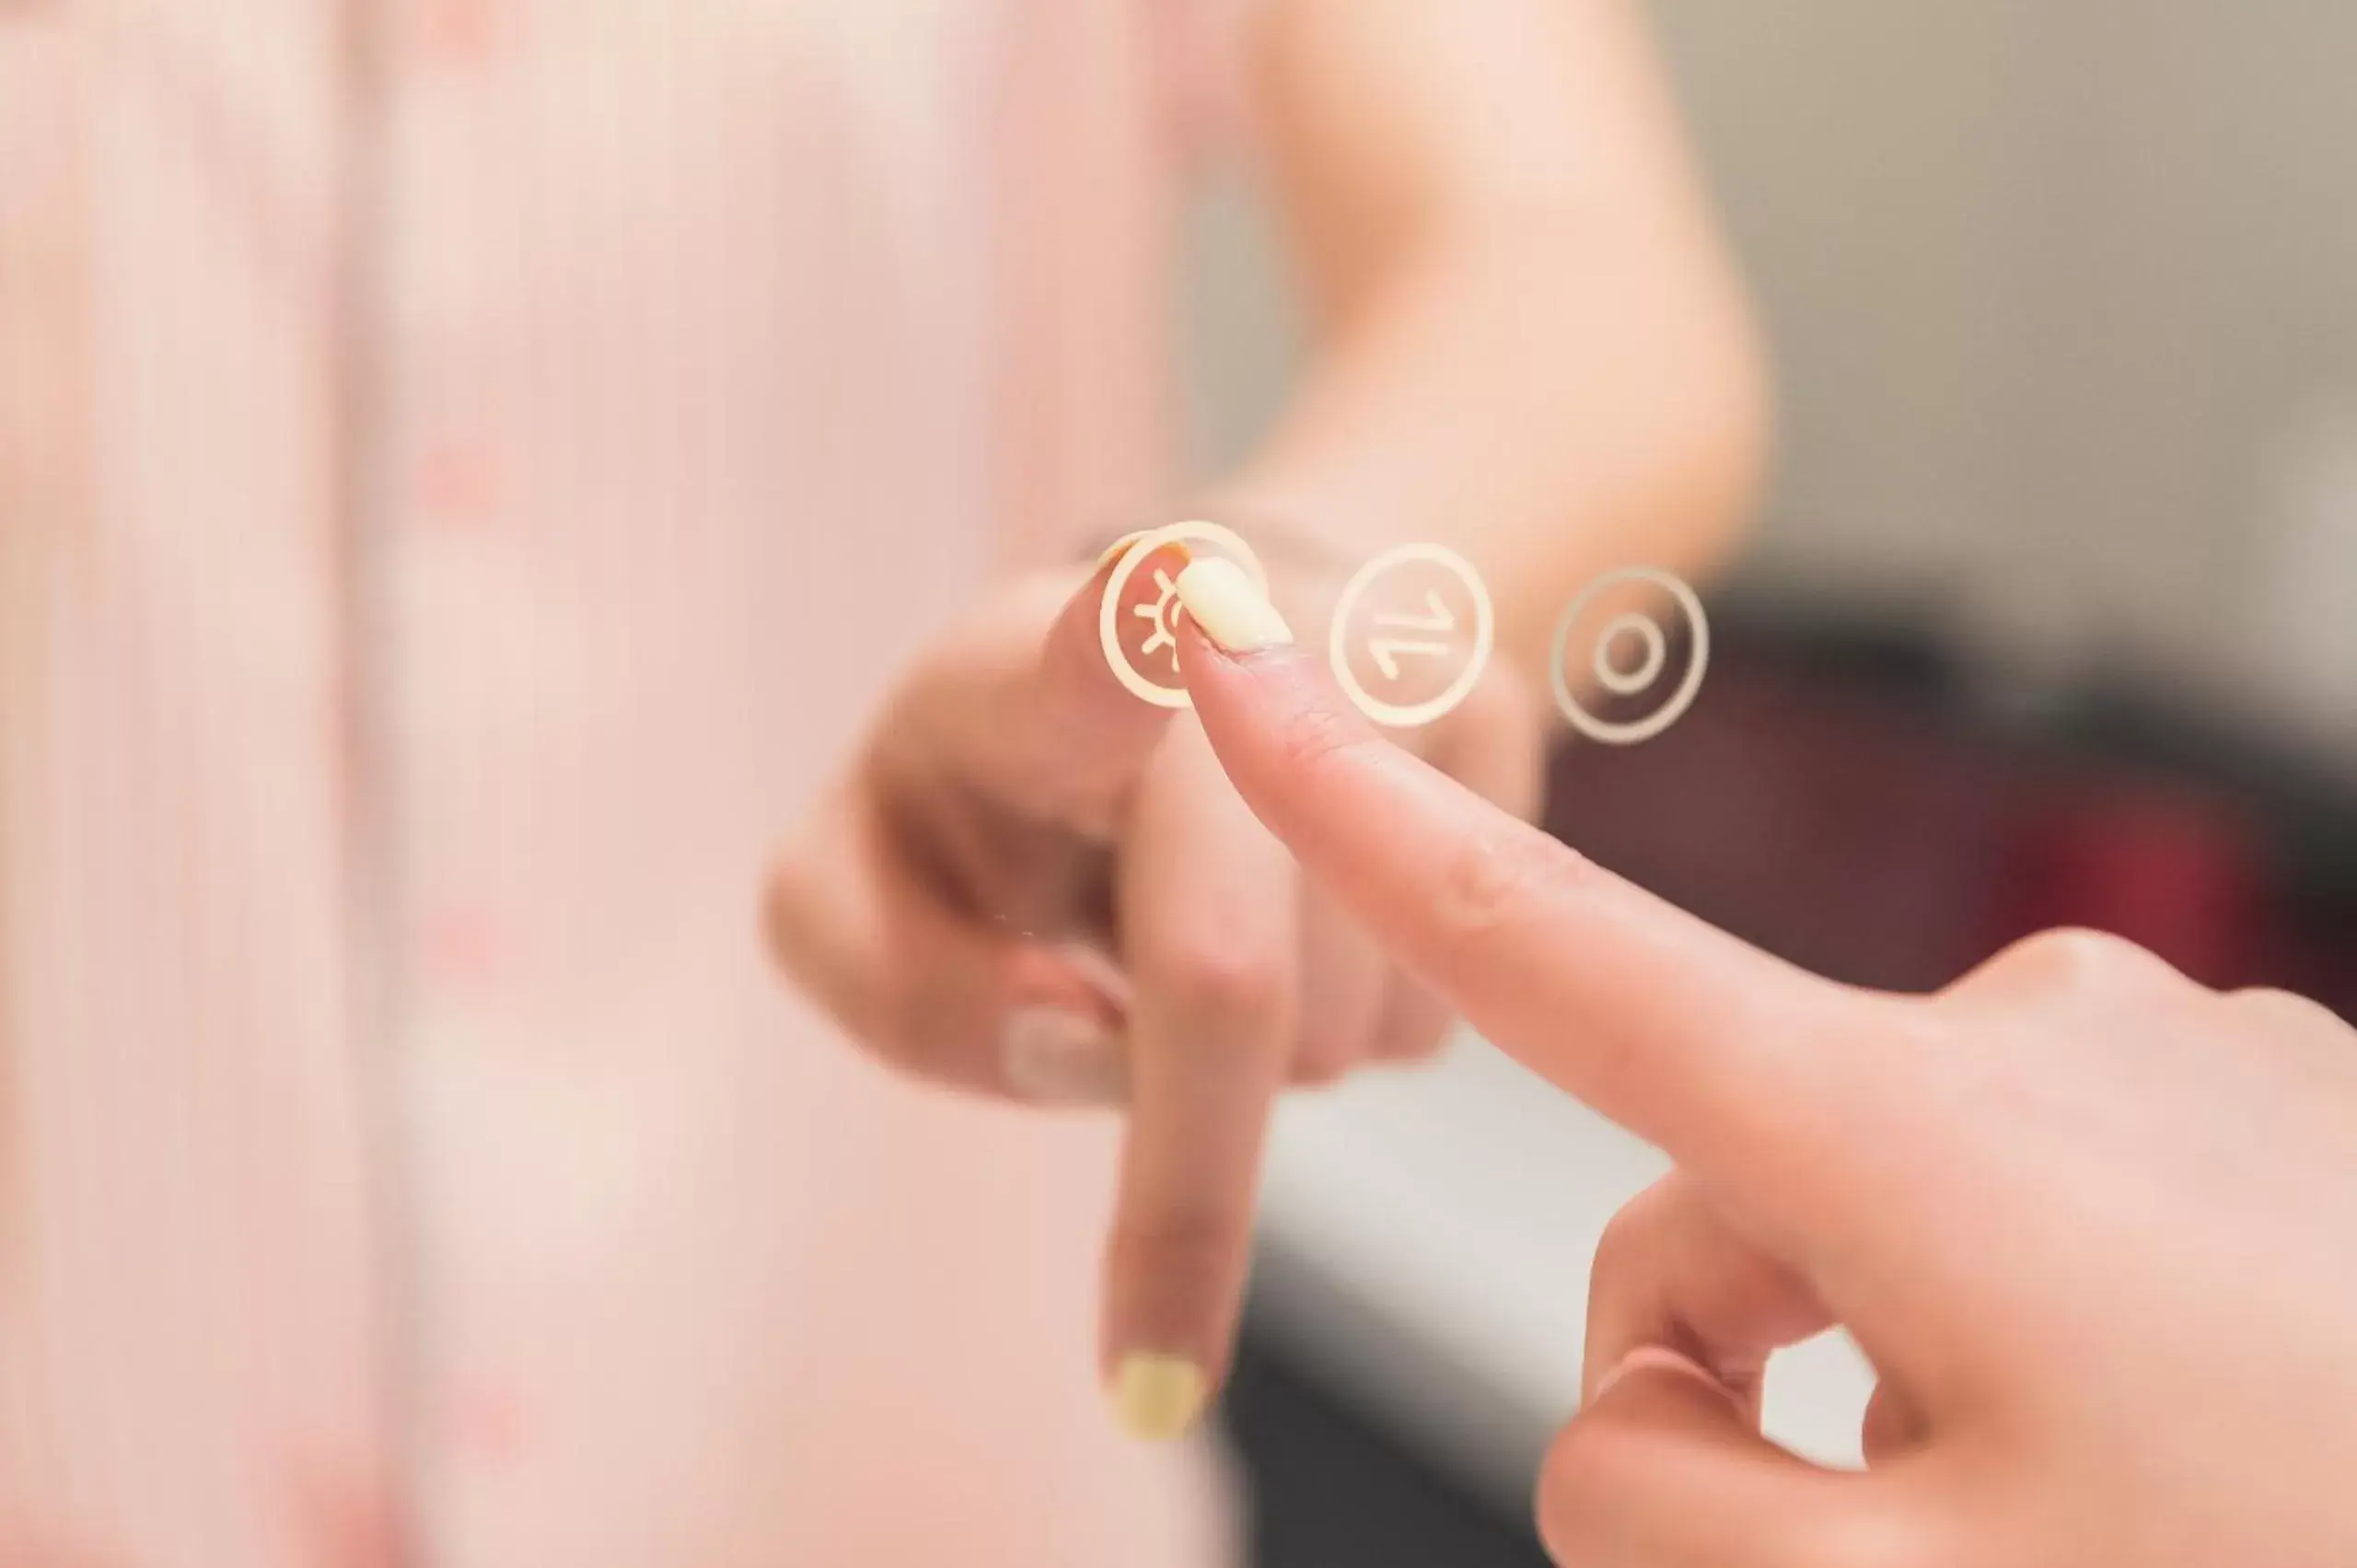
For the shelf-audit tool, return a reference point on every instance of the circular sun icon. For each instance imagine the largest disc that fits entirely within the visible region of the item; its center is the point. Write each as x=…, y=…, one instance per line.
x=1161, y=613
x=1163, y=691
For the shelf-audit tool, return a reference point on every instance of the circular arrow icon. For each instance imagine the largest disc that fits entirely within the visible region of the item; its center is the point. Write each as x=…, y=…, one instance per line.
x=1398, y=640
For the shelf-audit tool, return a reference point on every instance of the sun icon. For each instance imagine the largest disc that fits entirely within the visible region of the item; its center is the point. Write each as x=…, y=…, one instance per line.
x=1160, y=612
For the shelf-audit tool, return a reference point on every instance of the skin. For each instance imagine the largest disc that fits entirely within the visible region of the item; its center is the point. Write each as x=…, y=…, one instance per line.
x=2095, y=1225
x=1491, y=210
x=1015, y=800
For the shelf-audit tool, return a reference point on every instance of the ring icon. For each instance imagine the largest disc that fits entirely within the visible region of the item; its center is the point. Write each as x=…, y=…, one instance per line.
x=1162, y=610
x=1396, y=640
x=1653, y=656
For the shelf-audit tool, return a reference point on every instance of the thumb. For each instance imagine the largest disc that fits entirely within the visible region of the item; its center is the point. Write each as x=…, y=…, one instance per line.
x=1663, y=1470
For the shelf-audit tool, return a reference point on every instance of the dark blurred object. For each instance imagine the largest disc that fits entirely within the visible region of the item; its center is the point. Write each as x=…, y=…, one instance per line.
x=1846, y=799
x=1328, y=1488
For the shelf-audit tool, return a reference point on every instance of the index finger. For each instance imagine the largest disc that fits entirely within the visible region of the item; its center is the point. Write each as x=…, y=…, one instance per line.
x=1209, y=933
x=1698, y=1042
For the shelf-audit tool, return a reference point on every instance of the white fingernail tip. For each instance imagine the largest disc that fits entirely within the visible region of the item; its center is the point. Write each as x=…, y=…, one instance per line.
x=1230, y=607
x=1052, y=1056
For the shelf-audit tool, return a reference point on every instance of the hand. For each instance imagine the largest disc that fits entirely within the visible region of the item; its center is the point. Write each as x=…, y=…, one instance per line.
x=2095, y=1225
x=1033, y=884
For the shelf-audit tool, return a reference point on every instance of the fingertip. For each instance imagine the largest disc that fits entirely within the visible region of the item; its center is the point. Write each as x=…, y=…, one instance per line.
x=1231, y=609
x=1156, y=1399
x=1173, y=1296
x=1208, y=913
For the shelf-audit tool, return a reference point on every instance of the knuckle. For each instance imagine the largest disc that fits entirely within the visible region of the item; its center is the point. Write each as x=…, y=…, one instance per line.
x=2290, y=1008
x=2080, y=954
x=1500, y=875
x=1217, y=983
x=2069, y=961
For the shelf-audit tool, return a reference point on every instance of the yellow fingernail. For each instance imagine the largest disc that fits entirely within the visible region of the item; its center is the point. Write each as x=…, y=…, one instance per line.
x=1157, y=1397
x=1230, y=608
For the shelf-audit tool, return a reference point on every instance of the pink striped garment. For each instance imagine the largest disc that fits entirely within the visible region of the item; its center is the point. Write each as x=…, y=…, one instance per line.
x=467, y=470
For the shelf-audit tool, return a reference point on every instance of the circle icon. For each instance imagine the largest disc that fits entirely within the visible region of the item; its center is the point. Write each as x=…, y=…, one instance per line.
x=1161, y=612
x=1623, y=679
x=1414, y=634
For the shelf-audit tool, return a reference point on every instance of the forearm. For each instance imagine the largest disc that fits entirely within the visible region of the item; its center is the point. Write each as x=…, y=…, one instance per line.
x=1546, y=397
x=1531, y=347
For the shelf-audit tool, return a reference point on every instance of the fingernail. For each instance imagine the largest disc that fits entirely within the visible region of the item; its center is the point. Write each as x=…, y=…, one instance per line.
x=1157, y=1397
x=1659, y=1358
x=1052, y=1056
x=1101, y=974
x=1230, y=608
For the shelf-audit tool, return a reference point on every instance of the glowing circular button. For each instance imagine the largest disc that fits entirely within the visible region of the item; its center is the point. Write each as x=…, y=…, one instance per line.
x=1164, y=610
x=1425, y=632
x=1653, y=645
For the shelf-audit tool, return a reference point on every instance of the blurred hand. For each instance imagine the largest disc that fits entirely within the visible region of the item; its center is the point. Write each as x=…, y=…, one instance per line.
x=2095, y=1225
x=1035, y=885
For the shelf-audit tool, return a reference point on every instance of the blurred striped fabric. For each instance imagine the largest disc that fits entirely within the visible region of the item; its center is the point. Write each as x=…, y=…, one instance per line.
x=467, y=469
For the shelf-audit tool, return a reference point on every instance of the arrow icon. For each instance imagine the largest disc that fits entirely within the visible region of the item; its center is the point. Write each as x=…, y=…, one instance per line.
x=1385, y=651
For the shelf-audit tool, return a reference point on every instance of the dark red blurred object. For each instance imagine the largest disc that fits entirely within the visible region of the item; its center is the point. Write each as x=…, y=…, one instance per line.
x=2180, y=876
x=1845, y=802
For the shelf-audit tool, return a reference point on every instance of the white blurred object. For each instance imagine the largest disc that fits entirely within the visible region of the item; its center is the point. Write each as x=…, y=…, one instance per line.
x=1427, y=1237
x=2303, y=637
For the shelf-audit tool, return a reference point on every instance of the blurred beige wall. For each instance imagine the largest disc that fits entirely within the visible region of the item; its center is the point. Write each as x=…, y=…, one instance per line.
x=2063, y=296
